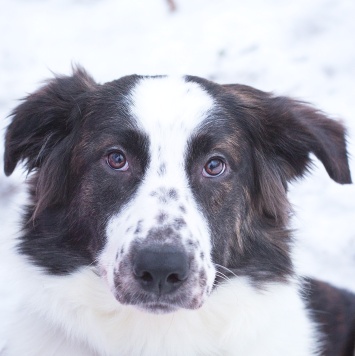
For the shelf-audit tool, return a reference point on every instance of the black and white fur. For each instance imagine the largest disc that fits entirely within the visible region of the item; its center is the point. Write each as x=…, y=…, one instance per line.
x=158, y=221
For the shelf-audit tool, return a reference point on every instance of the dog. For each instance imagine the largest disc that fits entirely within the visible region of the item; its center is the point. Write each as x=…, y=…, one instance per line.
x=158, y=221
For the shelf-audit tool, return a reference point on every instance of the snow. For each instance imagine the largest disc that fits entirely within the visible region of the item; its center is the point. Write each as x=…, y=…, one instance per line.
x=304, y=49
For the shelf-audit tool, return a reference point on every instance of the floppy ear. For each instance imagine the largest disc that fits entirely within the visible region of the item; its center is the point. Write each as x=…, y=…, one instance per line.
x=45, y=119
x=291, y=130
x=42, y=134
x=303, y=130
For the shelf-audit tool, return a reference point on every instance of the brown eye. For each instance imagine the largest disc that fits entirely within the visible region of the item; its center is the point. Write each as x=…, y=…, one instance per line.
x=214, y=168
x=118, y=161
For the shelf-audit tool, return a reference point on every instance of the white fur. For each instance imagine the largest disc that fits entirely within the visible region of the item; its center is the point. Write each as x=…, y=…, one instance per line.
x=77, y=315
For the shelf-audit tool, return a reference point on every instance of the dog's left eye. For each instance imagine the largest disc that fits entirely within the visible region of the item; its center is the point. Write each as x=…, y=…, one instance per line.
x=214, y=168
x=117, y=161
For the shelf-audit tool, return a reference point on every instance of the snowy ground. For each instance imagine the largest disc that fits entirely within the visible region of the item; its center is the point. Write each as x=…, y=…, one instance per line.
x=301, y=48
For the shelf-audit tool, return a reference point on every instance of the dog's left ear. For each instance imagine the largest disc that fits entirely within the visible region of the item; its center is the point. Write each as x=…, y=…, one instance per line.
x=290, y=130
x=301, y=130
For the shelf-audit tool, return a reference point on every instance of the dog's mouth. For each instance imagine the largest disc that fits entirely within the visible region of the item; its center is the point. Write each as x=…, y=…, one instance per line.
x=158, y=308
x=160, y=304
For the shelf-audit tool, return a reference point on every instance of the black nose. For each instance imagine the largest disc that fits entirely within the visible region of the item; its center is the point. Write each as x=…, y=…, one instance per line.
x=160, y=269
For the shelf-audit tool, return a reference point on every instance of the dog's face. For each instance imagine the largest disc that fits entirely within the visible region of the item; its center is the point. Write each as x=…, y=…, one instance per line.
x=165, y=186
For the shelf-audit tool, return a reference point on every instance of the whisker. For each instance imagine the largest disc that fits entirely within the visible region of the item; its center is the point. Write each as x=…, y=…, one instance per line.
x=223, y=278
x=227, y=269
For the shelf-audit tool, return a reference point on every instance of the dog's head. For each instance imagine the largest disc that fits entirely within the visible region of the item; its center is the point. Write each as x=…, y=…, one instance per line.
x=165, y=186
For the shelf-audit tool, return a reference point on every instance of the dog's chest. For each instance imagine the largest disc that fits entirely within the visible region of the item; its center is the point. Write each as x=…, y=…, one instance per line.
x=236, y=320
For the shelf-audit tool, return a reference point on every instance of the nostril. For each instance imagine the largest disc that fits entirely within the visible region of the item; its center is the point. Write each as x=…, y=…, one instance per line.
x=175, y=278
x=146, y=277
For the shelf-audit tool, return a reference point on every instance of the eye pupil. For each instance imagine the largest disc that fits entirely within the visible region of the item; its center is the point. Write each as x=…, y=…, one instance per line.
x=214, y=167
x=117, y=160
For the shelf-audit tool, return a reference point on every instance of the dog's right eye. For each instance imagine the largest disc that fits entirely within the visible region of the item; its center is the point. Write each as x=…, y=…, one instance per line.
x=117, y=161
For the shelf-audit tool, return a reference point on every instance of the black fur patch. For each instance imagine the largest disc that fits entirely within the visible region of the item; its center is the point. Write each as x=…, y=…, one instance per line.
x=334, y=311
x=63, y=133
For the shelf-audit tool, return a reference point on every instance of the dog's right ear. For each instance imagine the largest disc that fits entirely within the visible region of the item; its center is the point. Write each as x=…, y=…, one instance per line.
x=45, y=119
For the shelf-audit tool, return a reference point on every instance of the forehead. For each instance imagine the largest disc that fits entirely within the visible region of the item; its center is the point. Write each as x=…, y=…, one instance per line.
x=161, y=104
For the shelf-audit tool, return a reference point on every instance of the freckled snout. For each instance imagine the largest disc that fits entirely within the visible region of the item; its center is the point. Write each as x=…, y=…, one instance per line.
x=160, y=269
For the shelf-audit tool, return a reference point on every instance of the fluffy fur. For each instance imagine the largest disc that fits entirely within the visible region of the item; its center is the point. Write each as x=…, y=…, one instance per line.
x=158, y=221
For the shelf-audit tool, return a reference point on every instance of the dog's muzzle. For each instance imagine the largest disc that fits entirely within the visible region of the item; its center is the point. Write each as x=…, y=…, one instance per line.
x=160, y=277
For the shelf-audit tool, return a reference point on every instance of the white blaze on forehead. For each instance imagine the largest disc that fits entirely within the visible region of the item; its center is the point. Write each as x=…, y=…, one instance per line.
x=169, y=109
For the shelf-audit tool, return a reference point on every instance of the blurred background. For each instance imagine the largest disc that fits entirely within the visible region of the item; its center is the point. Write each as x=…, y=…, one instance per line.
x=304, y=49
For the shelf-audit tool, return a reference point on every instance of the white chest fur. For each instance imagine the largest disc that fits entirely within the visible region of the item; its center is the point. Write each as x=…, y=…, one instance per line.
x=237, y=319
